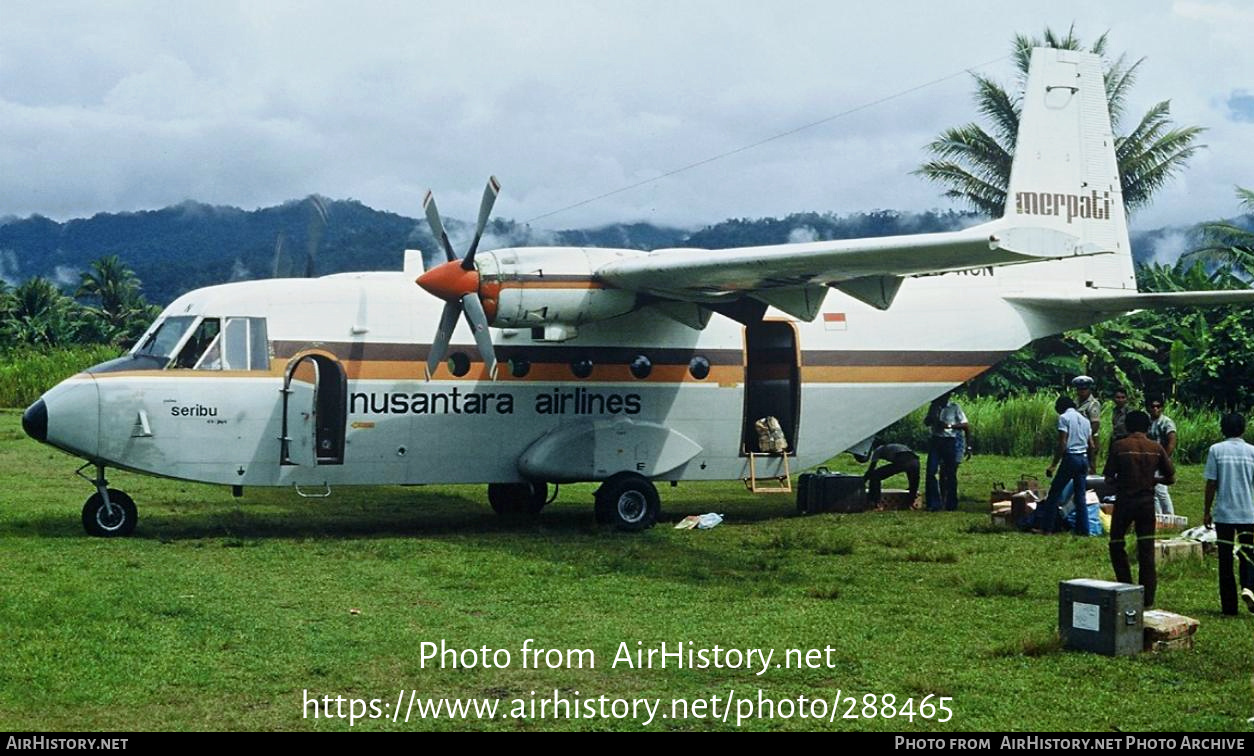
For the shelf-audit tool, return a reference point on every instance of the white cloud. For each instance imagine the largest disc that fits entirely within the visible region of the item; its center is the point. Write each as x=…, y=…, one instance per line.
x=66, y=276
x=145, y=104
x=1168, y=247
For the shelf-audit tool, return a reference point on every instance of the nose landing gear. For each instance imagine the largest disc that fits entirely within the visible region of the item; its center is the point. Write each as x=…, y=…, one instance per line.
x=108, y=512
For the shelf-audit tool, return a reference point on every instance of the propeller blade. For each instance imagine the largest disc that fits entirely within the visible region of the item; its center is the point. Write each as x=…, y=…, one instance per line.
x=479, y=326
x=439, y=346
x=437, y=228
x=485, y=209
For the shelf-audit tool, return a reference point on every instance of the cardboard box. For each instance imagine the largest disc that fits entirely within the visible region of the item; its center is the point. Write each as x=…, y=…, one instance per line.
x=1165, y=522
x=897, y=498
x=1167, y=631
x=1177, y=548
x=1023, y=504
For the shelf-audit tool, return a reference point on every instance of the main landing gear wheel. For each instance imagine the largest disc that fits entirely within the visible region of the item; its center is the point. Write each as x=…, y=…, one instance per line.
x=628, y=502
x=528, y=497
x=118, y=519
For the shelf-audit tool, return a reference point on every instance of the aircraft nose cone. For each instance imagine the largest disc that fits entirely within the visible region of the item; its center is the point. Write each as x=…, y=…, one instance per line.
x=449, y=281
x=35, y=420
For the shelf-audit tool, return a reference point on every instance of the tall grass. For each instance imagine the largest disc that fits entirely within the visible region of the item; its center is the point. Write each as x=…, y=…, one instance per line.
x=27, y=373
x=1026, y=426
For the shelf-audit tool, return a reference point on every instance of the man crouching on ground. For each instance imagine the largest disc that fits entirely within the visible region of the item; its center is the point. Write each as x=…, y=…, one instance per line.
x=1131, y=468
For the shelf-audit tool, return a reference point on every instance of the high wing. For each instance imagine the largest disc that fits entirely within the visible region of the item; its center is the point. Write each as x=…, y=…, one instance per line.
x=868, y=269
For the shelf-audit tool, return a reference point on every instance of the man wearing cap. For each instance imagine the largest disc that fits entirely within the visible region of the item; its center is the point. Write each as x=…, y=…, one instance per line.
x=1088, y=406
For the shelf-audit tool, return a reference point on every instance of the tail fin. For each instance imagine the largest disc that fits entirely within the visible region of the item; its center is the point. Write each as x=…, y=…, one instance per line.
x=1065, y=176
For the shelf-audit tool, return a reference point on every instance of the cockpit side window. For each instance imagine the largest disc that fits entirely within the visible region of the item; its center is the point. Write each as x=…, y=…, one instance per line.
x=165, y=337
x=198, y=345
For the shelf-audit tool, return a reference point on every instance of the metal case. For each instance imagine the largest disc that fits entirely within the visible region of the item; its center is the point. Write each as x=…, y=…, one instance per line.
x=1101, y=616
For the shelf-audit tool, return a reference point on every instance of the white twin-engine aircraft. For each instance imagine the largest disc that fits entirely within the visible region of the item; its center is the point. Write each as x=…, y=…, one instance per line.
x=553, y=365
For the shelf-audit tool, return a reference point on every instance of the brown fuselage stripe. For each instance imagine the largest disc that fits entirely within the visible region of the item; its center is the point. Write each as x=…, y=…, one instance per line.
x=893, y=358
x=892, y=374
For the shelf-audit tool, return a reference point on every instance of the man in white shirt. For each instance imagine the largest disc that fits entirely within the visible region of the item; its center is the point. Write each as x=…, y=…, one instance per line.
x=949, y=425
x=1229, y=506
x=1071, y=458
x=1163, y=430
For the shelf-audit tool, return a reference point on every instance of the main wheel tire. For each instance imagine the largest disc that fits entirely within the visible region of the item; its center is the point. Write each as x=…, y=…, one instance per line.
x=628, y=502
x=528, y=497
x=98, y=521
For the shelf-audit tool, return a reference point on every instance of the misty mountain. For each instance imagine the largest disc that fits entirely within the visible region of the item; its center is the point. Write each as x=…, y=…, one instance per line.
x=186, y=246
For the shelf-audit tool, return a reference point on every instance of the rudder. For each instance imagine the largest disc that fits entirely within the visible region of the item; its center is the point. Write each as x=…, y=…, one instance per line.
x=1065, y=175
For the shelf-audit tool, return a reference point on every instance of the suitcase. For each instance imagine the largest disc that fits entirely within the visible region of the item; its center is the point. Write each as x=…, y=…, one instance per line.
x=826, y=491
x=1101, y=616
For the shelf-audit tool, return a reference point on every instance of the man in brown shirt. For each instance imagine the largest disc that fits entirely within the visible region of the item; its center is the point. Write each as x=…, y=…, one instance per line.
x=1132, y=467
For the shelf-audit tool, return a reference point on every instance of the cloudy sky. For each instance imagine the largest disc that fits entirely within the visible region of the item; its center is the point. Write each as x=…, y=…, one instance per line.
x=123, y=106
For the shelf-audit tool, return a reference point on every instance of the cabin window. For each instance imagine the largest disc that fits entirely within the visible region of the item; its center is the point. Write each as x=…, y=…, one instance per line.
x=641, y=366
x=699, y=368
x=165, y=337
x=245, y=343
x=519, y=367
x=582, y=368
x=458, y=364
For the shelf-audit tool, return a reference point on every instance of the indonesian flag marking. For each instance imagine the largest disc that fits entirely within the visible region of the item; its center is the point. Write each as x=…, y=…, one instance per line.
x=835, y=321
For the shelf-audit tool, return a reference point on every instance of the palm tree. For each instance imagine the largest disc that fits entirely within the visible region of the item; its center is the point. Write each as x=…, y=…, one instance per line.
x=123, y=311
x=40, y=314
x=111, y=283
x=975, y=165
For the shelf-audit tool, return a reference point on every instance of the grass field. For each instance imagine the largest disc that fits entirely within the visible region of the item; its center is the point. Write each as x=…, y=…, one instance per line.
x=219, y=613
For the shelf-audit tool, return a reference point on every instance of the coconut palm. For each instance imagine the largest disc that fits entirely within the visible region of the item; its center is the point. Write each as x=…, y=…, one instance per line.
x=123, y=312
x=975, y=164
x=40, y=314
x=111, y=283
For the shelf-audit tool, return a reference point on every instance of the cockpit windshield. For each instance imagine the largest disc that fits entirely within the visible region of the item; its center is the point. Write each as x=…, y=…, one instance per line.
x=162, y=341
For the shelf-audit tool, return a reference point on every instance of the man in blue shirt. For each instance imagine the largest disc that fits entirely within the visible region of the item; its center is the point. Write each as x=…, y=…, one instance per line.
x=1229, y=477
x=1071, y=458
x=949, y=425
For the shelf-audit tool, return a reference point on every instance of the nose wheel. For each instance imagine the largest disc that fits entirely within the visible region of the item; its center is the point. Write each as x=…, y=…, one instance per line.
x=108, y=513
x=116, y=517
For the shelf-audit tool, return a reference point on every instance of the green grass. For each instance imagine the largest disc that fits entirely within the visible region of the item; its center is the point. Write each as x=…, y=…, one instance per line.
x=220, y=612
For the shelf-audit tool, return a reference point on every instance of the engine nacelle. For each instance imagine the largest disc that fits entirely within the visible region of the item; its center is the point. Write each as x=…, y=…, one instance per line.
x=530, y=287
